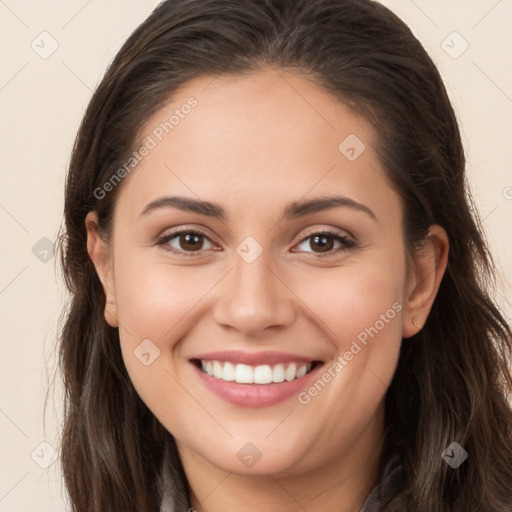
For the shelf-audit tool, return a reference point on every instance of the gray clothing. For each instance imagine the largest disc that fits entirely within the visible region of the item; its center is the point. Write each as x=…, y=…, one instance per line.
x=389, y=483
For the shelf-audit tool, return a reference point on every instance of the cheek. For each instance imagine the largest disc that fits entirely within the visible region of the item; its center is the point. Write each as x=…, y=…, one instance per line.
x=361, y=315
x=156, y=306
x=350, y=300
x=359, y=310
x=153, y=299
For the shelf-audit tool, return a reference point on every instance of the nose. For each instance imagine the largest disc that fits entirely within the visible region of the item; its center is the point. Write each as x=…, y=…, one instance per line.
x=254, y=298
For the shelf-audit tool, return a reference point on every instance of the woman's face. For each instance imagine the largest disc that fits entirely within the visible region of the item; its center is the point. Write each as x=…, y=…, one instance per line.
x=264, y=165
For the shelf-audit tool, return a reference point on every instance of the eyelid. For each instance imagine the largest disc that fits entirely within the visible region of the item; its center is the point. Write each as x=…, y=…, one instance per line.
x=330, y=230
x=187, y=228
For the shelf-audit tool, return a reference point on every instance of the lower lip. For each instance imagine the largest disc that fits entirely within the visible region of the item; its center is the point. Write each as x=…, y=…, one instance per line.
x=255, y=395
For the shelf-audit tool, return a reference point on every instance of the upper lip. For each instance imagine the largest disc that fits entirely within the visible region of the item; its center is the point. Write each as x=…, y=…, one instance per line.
x=253, y=358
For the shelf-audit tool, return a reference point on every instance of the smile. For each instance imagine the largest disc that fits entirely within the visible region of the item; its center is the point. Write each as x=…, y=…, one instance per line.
x=255, y=380
x=261, y=374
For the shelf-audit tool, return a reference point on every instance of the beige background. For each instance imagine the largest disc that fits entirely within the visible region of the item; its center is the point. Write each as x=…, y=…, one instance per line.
x=42, y=101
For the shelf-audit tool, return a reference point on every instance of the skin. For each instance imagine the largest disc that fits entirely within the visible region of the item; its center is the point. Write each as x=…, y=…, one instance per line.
x=253, y=145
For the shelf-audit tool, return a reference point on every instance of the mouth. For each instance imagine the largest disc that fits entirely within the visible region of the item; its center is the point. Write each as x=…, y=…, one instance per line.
x=254, y=380
x=260, y=374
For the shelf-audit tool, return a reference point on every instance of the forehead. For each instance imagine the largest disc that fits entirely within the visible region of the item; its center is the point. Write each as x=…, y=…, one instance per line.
x=270, y=135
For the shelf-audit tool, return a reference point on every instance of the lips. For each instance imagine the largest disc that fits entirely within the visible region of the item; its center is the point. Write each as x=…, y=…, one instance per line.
x=254, y=379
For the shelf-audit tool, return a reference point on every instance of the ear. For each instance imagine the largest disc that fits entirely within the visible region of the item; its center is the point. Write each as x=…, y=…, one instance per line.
x=101, y=257
x=424, y=280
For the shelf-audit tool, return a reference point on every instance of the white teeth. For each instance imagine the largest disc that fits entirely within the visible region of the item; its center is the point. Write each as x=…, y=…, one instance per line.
x=278, y=373
x=229, y=372
x=291, y=372
x=243, y=374
x=302, y=371
x=217, y=370
x=262, y=374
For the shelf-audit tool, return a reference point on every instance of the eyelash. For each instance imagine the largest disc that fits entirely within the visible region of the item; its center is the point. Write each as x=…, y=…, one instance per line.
x=347, y=243
x=343, y=240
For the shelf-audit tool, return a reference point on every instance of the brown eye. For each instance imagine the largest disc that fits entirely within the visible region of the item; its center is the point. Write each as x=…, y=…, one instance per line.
x=186, y=242
x=190, y=242
x=324, y=243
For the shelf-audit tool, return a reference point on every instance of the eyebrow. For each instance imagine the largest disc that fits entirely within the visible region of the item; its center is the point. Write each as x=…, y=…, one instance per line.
x=292, y=211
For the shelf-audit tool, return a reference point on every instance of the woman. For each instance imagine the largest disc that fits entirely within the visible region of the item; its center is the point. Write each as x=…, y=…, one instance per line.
x=281, y=294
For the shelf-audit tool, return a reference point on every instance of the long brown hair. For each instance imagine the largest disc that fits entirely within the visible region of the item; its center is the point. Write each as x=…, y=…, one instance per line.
x=452, y=383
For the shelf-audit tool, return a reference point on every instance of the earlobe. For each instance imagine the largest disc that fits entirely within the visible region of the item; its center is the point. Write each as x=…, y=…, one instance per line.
x=428, y=270
x=100, y=256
